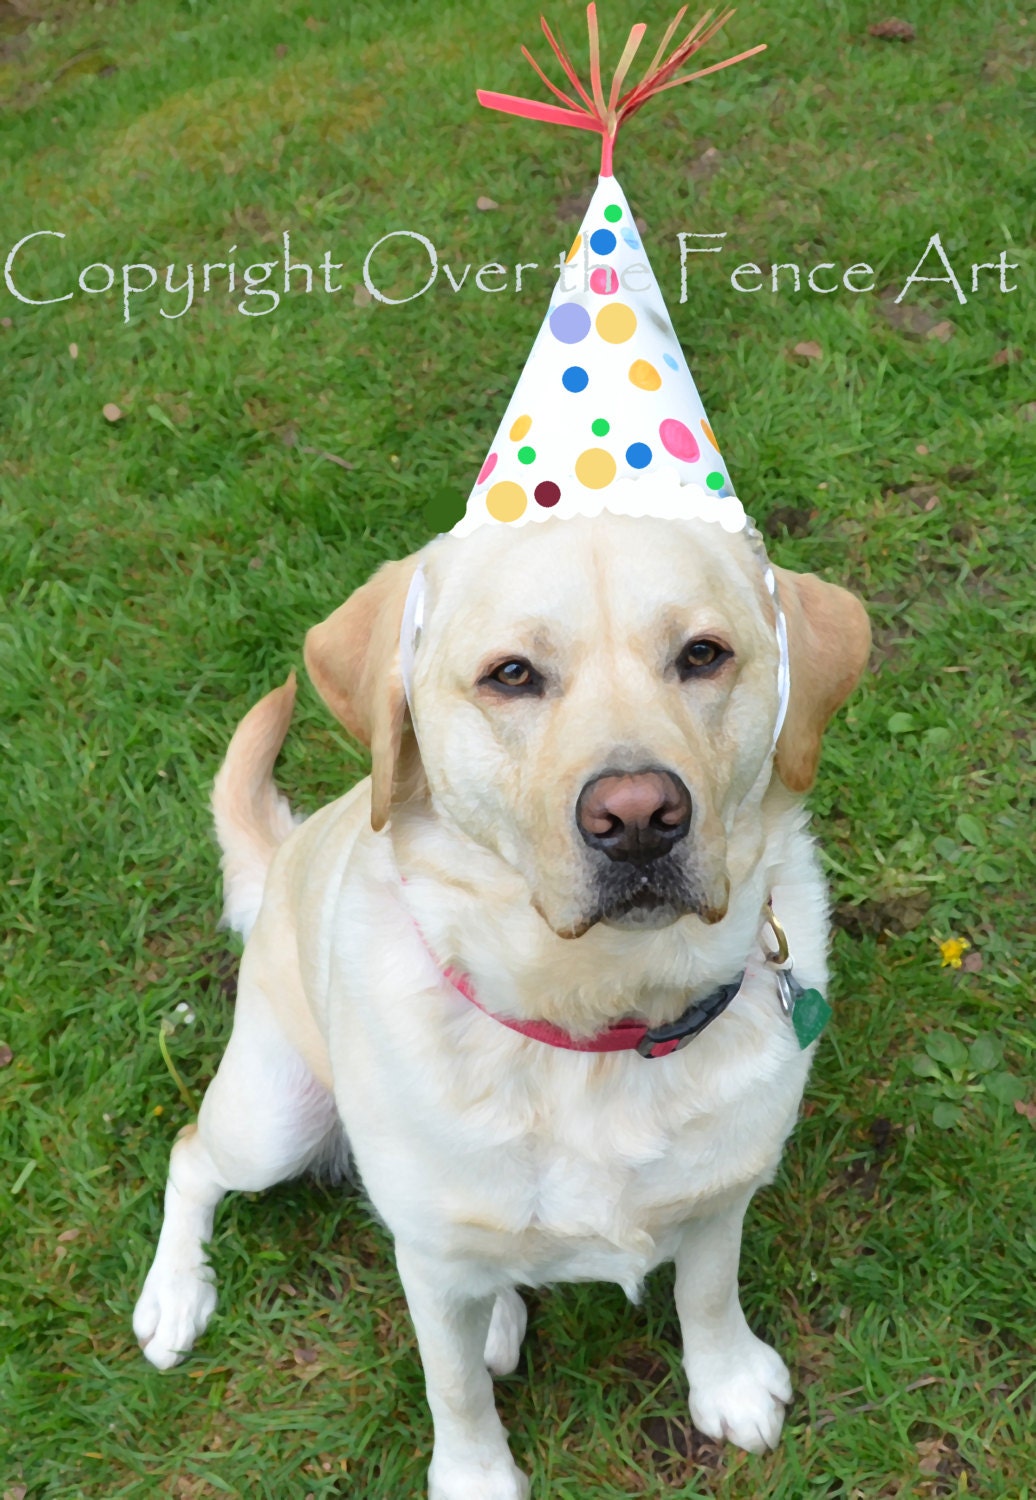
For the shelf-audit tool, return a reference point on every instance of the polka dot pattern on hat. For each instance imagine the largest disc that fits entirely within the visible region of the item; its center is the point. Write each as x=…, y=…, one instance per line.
x=606, y=394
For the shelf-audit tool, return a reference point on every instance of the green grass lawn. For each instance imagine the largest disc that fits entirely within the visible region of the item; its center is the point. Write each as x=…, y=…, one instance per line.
x=159, y=572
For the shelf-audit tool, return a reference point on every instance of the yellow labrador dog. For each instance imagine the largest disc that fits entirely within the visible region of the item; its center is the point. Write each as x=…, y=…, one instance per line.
x=582, y=840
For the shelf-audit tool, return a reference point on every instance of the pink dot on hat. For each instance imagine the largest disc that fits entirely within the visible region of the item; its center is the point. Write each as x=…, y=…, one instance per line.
x=487, y=469
x=595, y=468
x=506, y=501
x=616, y=323
x=604, y=281
x=679, y=440
x=644, y=375
x=519, y=427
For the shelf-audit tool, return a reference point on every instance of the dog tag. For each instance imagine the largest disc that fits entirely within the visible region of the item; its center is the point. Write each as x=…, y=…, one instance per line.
x=809, y=1015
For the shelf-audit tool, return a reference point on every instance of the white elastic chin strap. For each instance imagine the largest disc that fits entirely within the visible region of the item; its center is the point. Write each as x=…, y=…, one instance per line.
x=413, y=623
x=783, y=660
x=409, y=637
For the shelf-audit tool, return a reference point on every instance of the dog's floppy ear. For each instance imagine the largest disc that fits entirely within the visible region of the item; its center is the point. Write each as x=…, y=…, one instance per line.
x=829, y=638
x=353, y=659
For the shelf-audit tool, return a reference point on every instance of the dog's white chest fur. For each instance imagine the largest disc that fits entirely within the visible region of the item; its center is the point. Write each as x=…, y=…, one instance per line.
x=544, y=1164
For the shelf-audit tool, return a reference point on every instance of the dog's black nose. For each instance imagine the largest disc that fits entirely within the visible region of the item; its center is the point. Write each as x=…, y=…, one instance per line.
x=635, y=816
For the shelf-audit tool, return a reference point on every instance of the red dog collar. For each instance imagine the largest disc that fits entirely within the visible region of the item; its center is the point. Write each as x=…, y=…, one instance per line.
x=624, y=1036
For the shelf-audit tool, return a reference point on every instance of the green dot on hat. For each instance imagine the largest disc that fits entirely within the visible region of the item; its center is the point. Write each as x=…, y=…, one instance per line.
x=613, y=213
x=715, y=480
x=600, y=427
x=528, y=456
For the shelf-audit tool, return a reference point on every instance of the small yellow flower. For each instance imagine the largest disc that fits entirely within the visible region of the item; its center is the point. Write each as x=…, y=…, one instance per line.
x=159, y=1110
x=952, y=950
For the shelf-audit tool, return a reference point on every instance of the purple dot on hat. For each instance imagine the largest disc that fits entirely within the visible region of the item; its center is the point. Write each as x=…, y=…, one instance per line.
x=547, y=493
x=604, y=281
x=487, y=468
x=678, y=440
x=631, y=239
x=638, y=455
x=670, y=361
x=602, y=242
x=575, y=378
x=570, y=323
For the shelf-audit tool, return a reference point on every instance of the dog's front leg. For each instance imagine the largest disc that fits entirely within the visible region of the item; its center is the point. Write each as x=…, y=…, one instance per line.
x=739, y=1385
x=471, y=1459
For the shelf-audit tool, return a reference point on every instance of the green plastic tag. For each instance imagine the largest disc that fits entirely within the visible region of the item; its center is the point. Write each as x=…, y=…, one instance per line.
x=809, y=1017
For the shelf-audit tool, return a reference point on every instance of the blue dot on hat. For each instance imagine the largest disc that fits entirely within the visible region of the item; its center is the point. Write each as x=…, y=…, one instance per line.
x=602, y=242
x=638, y=455
x=570, y=323
x=670, y=361
x=631, y=239
x=575, y=378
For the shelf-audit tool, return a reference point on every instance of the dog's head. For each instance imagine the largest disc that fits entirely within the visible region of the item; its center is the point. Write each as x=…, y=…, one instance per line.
x=595, y=700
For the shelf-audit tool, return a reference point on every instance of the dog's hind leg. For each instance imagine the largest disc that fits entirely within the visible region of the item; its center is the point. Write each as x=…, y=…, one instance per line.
x=506, y=1331
x=264, y=1119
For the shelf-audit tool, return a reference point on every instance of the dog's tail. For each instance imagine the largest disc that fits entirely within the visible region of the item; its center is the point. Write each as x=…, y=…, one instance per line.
x=252, y=818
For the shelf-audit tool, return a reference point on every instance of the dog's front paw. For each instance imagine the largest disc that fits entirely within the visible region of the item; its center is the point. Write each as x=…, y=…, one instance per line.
x=476, y=1481
x=740, y=1394
x=174, y=1308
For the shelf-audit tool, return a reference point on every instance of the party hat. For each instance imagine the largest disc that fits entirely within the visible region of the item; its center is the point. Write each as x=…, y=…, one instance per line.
x=606, y=396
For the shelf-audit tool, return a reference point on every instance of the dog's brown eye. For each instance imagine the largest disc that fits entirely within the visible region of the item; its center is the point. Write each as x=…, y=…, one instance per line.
x=701, y=658
x=516, y=675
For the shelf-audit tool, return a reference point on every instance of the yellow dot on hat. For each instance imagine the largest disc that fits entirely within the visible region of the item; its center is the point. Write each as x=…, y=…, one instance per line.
x=574, y=250
x=595, y=468
x=709, y=434
x=519, y=428
x=644, y=375
x=616, y=323
x=506, y=501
